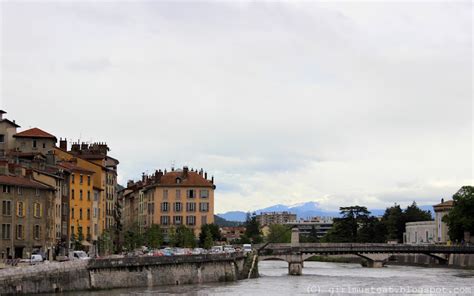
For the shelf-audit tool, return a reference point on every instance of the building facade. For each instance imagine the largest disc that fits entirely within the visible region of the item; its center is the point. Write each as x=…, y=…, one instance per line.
x=421, y=232
x=170, y=199
x=441, y=210
x=269, y=218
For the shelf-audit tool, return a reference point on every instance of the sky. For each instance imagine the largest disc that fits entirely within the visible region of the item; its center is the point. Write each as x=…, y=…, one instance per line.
x=340, y=103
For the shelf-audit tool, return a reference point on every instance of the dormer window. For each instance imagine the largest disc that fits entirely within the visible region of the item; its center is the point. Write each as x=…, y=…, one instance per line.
x=178, y=180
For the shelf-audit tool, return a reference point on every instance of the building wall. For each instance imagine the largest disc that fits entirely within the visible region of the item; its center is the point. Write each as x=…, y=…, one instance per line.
x=98, y=181
x=421, y=232
x=81, y=203
x=42, y=145
x=21, y=245
x=441, y=227
x=8, y=131
x=170, y=195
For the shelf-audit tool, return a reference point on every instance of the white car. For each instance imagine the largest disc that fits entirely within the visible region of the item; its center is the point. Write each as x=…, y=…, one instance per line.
x=36, y=258
x=78, y=255
x=247, y=248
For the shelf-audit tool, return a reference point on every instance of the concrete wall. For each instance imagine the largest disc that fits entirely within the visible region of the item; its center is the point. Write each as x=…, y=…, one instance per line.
x=455, y=260
x=122, y=273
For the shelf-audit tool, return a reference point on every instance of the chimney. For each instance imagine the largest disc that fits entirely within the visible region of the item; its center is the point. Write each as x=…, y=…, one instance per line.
x=185, y=171
x=84, y=146
x=75, y=147
x=442, y=200
x=212, y=179
x=201, y=172
x=63, y=144
x=130, y=183
x=1, y=115
x=205, y=175
x=143, y=177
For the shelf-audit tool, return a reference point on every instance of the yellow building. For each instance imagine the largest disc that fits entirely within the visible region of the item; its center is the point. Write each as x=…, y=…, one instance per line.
x=96, y=188
x=80, y=200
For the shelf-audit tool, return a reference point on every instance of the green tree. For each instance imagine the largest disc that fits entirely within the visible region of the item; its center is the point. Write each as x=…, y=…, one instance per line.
x=311, y=237
x=215, y=233
x=185, y=237
x=118, y=227
x=208, y=240
x=460, y=218
x=132, y=238
x=279, y=234
x=105, y=242
x=346, y=228
x=413, y=214
x=153, y=236
x=252, y=229
x=394, y=222
x=80, y=237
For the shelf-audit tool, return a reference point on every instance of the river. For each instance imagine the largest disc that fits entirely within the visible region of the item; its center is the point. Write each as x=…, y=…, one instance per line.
x=322, y=278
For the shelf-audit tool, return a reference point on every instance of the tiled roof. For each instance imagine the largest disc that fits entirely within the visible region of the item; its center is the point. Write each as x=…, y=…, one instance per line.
x=444, y=205
x=192, y=179
x=22, y=182
x=71, y=166
x=35, y=133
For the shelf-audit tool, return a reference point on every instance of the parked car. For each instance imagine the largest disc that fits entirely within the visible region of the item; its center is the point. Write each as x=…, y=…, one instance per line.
x=198, y=251
x=217, y=249
x=229, y=249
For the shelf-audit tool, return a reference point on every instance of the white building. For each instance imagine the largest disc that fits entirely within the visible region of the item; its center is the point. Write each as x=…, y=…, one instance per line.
x=421, y=232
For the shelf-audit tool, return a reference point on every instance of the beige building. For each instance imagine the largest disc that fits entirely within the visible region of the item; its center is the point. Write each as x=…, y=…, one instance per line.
x=441, y=210
x=34, y=140
x=26, y=219
x=180, y=197
x=269, y=218
x=421, y=232
x=7, y=130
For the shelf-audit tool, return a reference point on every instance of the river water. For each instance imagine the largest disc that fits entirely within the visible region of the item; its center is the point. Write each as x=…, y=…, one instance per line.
x=322, y=278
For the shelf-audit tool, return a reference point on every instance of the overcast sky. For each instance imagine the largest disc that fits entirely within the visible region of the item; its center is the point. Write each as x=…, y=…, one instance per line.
x=283, y=102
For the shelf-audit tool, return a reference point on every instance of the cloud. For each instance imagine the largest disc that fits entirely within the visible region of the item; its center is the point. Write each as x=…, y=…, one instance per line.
x=281, y=102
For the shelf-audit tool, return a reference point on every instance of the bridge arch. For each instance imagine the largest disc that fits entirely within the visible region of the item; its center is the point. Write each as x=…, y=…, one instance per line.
x=273, y=257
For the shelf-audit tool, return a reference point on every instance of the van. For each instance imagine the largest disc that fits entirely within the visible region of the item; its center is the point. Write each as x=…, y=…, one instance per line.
x=247, y=248
x=36, y=258
x=78, y=255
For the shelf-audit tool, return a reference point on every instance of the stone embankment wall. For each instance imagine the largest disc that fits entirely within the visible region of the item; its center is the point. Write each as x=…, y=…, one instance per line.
x=126, y=272
x=455, y=260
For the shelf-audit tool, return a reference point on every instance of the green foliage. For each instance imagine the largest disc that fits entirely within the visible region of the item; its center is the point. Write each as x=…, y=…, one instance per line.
x=153, y=236
x=252, y=230
x=279, y=234
x=214, y=230
x=394, y=219
x=105, y=243
x=461, y=217
x=208, y=239
x=184, y=237
x=132, y=238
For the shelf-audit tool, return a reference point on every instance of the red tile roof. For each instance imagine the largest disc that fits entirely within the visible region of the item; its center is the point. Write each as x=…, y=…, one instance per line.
x=192, y=179
x=35, y=133
x=71, y=166
x=23, y=182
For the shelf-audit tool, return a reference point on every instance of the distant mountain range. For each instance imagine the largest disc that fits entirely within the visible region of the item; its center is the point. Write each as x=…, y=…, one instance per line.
x=302, y=210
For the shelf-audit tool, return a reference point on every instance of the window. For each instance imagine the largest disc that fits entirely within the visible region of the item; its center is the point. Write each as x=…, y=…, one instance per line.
x=37, y=210
x=165, y=193
x=20, y=190
x=203, y=220
x=20, y=209
x=2, y=138
x=80, y=214
x=34, y=144
x=37, y=232
x=6, y=232
x=178, y=180
x=6, y=189
x=96, y=195
x=88, y=195
x=178, y=194
x=6, y=208
x=204, y=193
x=72, y=193
x=204, y=206
x=190, y=206
x=190, y=193
x=95, y=212
x=72, y=213
x=72, y=178
x=88, y=180
x=80, y=179
x=80, y=194
x=72, y=231
x=37, y=192
x=164, y=206
x=165, y=220
x=44, y=145
x=88, y=214
x=96, y=229
x=20, y=231
x=177, y=207
x=178, y=220
x=191, y=220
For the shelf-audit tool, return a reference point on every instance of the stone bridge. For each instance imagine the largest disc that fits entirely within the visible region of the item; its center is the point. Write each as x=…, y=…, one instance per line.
x=376, y=255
